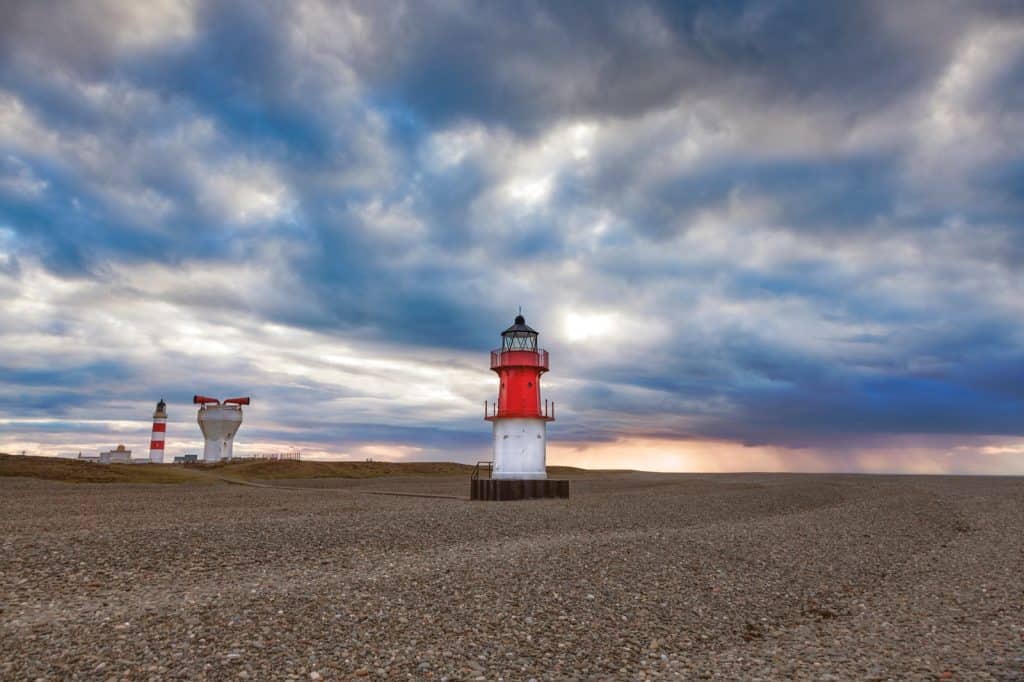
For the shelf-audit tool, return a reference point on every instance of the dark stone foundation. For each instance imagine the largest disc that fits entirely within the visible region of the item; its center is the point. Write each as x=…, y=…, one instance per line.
x=501, y=490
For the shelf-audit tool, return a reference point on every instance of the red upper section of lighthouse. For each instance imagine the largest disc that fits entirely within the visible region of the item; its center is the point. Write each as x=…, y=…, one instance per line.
x=519, y=364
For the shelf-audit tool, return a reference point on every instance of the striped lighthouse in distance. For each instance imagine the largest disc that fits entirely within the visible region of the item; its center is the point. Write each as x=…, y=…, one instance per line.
x=156, y=443
x=519, y=420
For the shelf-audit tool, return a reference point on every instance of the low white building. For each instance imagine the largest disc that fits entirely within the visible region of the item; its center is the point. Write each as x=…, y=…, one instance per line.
x=118, y=455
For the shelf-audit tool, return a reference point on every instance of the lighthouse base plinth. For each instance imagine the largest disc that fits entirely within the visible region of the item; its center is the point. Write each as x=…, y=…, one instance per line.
x=508, y=489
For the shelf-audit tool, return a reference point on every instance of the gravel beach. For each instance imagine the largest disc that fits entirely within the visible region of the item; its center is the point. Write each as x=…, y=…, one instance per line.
x=640, y=575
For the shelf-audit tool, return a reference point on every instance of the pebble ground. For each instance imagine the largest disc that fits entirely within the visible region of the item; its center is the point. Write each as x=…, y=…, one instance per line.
x=739, y=577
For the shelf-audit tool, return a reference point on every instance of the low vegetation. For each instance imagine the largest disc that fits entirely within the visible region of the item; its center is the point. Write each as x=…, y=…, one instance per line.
x=261, y=469
x=75, y=471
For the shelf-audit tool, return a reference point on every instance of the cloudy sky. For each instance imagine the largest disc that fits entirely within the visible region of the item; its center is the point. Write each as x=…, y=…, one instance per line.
x=753, y=236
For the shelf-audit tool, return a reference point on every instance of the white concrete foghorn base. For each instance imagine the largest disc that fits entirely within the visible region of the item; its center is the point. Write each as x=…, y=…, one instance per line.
x=520, y=448
x=219, y=425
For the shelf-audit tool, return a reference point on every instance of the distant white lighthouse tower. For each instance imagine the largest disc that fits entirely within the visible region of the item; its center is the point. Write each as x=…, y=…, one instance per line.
x=219, y=422
x=156, y=442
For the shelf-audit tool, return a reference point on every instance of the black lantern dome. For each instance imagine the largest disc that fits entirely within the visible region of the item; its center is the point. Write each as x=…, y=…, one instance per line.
x=519, y=336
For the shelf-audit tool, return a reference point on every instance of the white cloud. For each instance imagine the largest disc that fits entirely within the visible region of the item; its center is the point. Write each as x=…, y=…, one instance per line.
x=242, y=192
x=584, y=327
x=145, y=25
x=958, y=130
x=151, y=319
x=17, y=178
x=20, y=130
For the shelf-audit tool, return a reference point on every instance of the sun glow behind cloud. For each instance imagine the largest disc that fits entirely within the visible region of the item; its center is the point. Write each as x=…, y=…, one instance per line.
x=584, y=327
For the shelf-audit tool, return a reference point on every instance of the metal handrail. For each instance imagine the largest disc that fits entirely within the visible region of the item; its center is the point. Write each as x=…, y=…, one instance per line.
x=476, y=470
x=514, y=358
x=548, y=413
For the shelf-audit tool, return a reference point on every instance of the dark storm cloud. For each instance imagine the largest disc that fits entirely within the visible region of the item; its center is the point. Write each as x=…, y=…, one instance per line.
x=803, y=216
x=780, y=396
x=523, y=65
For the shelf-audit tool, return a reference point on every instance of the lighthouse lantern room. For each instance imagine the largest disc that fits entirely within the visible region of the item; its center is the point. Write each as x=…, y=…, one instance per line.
x=519, y=418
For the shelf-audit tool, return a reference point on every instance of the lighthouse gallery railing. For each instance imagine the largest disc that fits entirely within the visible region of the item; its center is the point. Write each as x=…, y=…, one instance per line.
x=491, y=411
x=512, y=358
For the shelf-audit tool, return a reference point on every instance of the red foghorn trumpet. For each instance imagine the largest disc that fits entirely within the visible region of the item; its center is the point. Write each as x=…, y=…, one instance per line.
x=238, y=401
x=203, y=400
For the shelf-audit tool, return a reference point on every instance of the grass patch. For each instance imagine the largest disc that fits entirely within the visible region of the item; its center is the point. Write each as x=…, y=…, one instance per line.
x=269, y=470
x=74, y=471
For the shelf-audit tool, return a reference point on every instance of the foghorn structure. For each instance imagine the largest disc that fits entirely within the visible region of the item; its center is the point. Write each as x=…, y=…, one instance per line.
x=219, y=422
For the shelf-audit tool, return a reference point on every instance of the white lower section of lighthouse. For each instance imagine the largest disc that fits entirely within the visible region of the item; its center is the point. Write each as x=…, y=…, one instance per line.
x=520, y=448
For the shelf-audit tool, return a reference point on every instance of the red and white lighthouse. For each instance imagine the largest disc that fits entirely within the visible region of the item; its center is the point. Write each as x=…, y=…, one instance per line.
x=156, y=442
x=519, y=419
